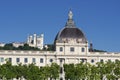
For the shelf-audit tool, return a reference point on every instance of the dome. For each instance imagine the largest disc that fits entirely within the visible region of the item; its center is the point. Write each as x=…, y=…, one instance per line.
x=70, y=31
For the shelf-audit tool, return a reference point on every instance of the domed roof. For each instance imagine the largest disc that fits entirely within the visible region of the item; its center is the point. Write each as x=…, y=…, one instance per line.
x=70, y=31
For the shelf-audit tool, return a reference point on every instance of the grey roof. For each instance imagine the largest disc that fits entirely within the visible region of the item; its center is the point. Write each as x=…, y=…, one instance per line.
x=70, y=31
x=74, y=33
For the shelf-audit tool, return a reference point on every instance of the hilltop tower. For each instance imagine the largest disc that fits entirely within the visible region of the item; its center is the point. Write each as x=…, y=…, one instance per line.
x=36, y=41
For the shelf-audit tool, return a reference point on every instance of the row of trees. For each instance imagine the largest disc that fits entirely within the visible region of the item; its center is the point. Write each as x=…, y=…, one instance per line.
x=29, y=72
x=81, y=71
x=11, y=47
x=99, y=71
x=50, y=47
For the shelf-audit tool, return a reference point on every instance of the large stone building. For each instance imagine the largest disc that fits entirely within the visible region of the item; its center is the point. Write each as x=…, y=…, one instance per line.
x=71, y=46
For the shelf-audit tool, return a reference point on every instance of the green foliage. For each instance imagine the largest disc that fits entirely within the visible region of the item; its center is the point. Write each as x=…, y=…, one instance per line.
x=29, y=72
x=85, y=71
x=11, y=47
x=117, y=69
x=81, y=71
x=45, y=74
x=27, y=47
x=7, y=71
x=69, y=71
x=50, y=47
x=96, y=50
x=54, y=71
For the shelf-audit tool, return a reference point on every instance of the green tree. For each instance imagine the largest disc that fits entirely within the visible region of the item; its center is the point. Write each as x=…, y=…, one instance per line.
x=117, y=69
x=79, y=71
x=33, y=72
x=54, y=71
x=109, y=68
x=45, y=72
x=2, y=71
x=101, y=69
x=69, y=71
x=83, y=70
x=94, y=73
x=8, y=71
x=9, y=47
x=20, y=71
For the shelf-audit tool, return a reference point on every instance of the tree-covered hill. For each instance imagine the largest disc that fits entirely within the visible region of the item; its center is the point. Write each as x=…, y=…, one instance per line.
x=11, y=47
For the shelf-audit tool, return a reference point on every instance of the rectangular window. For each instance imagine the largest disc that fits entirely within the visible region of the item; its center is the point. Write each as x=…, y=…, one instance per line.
x=33, y=60
x=25, y=60
x=41, y=60
x=17, y=60
x=10, y=59
x=1, y=59
x=61, y=49
x=72, y=49
x=83, y=50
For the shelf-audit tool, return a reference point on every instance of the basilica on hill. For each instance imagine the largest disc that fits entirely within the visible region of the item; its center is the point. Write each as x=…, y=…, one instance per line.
x=71, y=46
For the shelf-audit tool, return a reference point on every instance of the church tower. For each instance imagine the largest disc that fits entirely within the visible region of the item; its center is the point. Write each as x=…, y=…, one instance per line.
x=36, y=41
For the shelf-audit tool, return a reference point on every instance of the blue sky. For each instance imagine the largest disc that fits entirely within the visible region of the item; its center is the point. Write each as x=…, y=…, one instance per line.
x=99, y=20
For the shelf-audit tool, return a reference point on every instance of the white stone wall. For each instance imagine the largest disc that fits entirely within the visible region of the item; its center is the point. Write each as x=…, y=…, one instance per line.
x=77, y=48
x=47, y=55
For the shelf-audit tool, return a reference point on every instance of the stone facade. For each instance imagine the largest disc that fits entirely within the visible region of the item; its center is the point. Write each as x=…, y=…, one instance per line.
x=41, y=58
